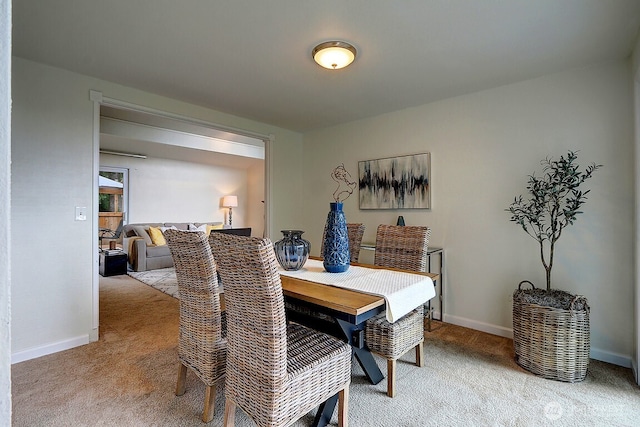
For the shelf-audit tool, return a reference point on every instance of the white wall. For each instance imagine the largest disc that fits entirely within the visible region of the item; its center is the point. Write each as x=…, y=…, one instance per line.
x=162, y=190
x=52, y=154
x=636, y=120
x=483, y=146
x=52, y=165
x=5, y=191
x=255, y=205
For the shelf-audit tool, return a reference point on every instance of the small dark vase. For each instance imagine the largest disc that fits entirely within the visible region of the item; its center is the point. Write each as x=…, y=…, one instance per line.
x=336, y=241
x=292, y=250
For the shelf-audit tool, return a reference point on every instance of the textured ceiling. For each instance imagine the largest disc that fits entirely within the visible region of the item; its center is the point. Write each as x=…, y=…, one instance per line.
x=253, y=58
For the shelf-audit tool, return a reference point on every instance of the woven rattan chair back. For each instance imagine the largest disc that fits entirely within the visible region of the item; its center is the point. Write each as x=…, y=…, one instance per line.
x=202, y=344
x=276, y=372
x=402, y=247
x=355, y=232
x=255, y=307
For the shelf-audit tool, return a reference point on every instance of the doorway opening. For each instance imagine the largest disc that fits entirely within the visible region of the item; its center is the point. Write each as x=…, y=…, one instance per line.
x=113, y=197
x=137, y=137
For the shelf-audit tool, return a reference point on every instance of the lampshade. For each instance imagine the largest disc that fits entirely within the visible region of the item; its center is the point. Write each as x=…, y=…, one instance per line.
x=230, y=201
x=334, y=54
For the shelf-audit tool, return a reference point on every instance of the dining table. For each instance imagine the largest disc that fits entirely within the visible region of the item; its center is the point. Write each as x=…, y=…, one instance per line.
x=340, y=304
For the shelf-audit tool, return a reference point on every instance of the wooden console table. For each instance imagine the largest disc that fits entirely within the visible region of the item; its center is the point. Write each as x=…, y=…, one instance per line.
x=341, y=310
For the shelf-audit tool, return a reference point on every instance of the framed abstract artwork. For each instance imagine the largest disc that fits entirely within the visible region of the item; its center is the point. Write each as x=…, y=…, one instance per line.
x=396, y=182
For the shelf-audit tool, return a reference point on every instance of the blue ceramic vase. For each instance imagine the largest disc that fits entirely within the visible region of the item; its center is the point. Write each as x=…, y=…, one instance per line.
x=336, y=241
x=292, y=250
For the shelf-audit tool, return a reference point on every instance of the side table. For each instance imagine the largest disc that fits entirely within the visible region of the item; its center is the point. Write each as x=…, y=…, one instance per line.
x=430, y=252
x=113, y=264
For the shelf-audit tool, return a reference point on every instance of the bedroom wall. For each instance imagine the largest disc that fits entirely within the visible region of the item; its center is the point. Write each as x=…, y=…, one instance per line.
x=163, y=190
x=483, y=146
x=54, y=260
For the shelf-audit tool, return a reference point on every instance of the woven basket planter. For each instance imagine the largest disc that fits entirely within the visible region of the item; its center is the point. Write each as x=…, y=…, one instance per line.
x=551, y=342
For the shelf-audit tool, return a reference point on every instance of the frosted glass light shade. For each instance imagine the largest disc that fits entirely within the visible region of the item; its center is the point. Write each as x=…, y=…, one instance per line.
x=334, y=55
x=230, y=201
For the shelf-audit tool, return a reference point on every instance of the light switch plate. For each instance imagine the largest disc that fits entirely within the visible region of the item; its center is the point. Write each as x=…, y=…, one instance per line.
x=81, y=213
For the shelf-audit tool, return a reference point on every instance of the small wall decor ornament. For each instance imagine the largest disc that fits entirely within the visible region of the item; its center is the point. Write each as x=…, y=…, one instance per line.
x=336, y=242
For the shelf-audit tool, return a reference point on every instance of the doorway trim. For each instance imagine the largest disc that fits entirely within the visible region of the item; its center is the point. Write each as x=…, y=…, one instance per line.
x=100, y=100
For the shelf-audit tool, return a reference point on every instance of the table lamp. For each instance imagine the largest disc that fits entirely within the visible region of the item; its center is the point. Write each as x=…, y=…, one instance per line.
x=230, y=202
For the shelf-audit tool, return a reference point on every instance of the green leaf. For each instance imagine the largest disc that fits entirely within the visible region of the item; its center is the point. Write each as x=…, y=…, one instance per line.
x=554, y=201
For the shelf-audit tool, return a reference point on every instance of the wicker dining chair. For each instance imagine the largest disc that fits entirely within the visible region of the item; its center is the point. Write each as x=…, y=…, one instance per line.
x=402, y=247
x=202, y=344
x=355, y=232
x=276, y=372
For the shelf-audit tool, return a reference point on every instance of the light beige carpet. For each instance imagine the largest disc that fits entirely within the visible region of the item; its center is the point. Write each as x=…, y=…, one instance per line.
x=127, y=378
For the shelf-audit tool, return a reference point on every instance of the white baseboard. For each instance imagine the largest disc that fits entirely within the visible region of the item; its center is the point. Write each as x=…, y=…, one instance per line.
x=634, y=368
x=595, y=353
x=609, y=357
x=479, y=326
x=55, y=347
x=93, y=335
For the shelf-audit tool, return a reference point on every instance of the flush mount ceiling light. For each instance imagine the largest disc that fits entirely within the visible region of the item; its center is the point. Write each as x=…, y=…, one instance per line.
x=334, y=54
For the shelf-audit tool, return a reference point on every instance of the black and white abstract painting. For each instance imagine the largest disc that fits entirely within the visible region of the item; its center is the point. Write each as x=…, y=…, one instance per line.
x=396, y=182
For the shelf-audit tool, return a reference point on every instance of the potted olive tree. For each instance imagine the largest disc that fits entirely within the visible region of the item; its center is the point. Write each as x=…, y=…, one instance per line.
x=551, y=327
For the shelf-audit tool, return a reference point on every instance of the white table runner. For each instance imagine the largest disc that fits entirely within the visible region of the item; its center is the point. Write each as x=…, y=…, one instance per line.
x=402, y=292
